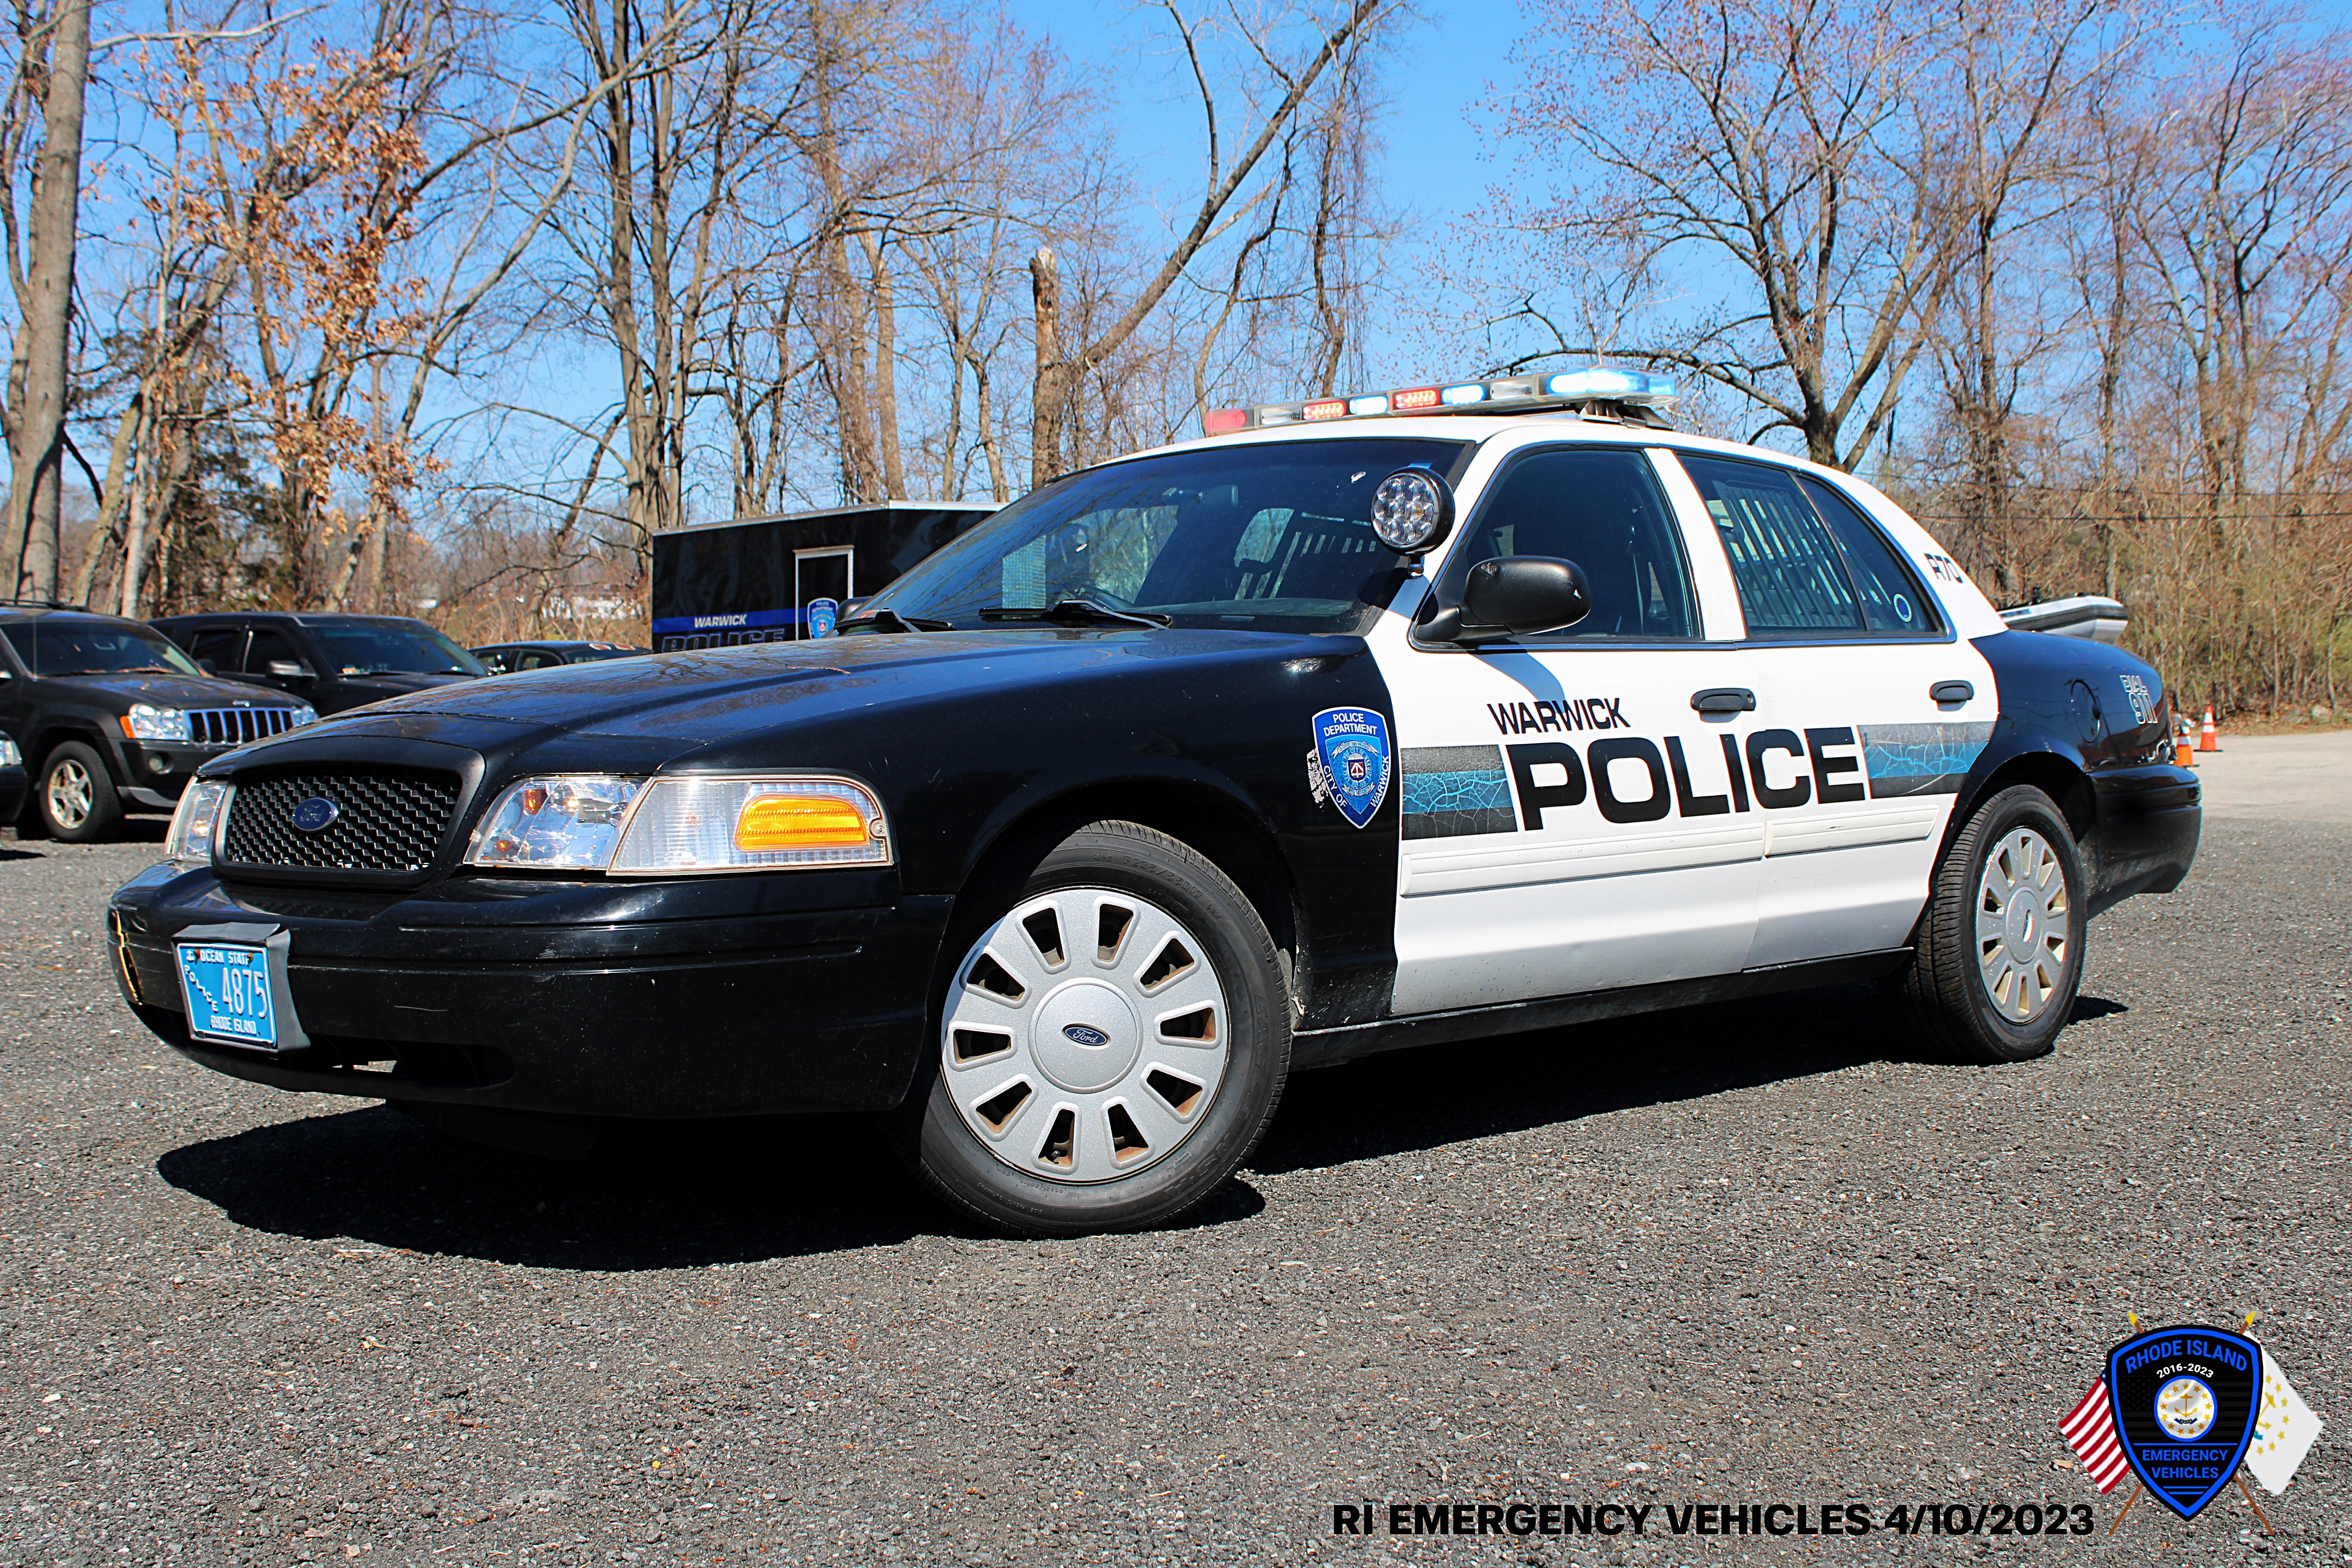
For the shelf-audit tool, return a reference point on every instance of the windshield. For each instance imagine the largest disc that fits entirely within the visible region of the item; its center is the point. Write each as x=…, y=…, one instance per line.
x=392, y=648
x=53, y=646
x=1270, y=538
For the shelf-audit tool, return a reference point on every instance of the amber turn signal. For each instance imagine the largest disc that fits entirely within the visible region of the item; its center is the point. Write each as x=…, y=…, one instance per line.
x=772, y=822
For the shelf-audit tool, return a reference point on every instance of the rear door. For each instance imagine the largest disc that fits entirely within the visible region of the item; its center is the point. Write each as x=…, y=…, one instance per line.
x=1873, y=709
x=1570, y=823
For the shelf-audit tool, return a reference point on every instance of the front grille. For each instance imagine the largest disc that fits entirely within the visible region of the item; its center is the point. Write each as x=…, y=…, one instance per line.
x=387, y=820
x=234, y=726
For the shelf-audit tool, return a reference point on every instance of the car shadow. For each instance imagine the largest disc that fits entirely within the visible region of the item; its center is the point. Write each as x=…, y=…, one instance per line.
x=1436, y=1095
x=660, y=1196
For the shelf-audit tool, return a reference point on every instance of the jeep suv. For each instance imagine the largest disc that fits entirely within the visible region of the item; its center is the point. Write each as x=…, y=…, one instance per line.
x=330, y=661
x=112, y=718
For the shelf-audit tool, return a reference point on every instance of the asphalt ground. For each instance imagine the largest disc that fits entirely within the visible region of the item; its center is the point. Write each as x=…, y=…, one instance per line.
x=1745, y=1254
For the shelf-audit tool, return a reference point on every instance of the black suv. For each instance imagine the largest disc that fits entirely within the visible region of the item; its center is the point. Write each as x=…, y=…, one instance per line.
x=112, y=718
x=331, y=662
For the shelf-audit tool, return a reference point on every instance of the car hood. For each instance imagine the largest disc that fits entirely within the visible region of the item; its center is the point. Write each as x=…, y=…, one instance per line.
x=711, y=699
x=168, y=691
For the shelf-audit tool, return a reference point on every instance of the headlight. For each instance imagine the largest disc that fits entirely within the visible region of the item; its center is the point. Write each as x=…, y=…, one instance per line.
x=145, y=722
x=570, y=821
x=750, y=823
x=666, y=825
x=10, y=757
x=203, y=804
x=305, y=714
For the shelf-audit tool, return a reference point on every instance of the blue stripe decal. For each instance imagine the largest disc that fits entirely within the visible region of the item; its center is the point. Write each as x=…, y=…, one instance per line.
x=1920, y=759
x=1451, y=792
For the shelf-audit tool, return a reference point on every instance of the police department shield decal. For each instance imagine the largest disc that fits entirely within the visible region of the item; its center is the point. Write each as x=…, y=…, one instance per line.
x=821, y=614
x=1352, y=743
x=2185, y=1400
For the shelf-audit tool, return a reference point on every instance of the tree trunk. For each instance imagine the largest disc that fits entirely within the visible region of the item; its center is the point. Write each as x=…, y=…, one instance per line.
x=38, y=392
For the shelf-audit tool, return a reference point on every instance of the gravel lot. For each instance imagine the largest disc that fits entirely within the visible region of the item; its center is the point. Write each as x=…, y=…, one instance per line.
x=1732, y=1254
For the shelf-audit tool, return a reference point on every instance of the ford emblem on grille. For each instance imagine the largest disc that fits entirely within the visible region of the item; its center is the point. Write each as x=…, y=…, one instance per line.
x=1086, y=1036
x=316, y=813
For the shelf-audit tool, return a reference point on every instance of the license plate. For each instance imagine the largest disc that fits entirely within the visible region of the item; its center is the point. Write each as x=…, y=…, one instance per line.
x=228, y=992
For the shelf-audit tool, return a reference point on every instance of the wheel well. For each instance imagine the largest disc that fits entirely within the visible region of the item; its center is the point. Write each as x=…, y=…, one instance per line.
x=2054, y=777
x=57, y=734
x=1201, y=818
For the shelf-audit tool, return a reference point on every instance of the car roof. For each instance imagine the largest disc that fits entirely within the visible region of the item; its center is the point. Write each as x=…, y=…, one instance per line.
x=66, y=612
x=1513, y=429
x=293, y=618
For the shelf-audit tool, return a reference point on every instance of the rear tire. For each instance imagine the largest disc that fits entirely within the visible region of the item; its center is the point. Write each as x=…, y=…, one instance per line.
x=1999, y=956
x=1113, y=1036
x=73, y=797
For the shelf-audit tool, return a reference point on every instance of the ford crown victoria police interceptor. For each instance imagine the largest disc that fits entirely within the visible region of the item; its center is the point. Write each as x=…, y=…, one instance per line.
x=1384, y=721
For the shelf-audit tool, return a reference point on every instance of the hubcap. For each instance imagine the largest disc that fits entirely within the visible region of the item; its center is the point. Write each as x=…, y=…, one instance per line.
x=69, y=794
x=1085, y=1035
x=2021, y=914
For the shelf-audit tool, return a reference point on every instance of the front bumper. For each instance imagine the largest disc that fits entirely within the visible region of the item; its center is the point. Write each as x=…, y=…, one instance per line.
x=153, y=773
x=14, y=786
x=694, y=997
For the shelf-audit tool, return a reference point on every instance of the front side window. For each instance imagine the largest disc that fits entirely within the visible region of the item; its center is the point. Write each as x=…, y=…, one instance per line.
x=1602, y=508
x=390, y=647
x=1272, y=537
x=1794, y=579
x=50, y=647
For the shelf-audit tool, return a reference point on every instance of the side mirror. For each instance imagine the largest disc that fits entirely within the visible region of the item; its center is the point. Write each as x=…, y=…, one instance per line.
x=289, y=669
x=1515, y=596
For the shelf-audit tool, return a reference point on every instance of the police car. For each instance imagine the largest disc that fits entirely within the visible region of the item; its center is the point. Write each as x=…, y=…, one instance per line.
x=1407, y=718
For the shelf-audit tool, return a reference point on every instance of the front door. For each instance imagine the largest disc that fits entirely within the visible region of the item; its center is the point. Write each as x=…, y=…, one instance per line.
x=1571, y=821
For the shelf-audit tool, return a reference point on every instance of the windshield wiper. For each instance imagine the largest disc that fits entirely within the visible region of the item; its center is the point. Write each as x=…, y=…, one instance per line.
x=898, y=622
x=1081, y=612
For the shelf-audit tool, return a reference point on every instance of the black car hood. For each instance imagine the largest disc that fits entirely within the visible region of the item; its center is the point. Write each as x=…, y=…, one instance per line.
x=168, y=691
x=710, y=699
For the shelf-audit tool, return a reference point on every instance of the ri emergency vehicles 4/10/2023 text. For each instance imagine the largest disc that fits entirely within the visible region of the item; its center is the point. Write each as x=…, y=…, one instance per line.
x=1414, y=717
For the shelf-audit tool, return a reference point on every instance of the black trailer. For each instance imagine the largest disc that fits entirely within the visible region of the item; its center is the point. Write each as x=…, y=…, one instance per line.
x=782, y=578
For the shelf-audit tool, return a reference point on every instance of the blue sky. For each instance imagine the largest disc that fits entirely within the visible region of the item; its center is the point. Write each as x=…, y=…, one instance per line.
x=1434, y=166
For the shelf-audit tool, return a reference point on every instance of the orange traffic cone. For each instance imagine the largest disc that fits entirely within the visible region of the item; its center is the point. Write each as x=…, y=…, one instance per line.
x=2208, y=740
x=2184, y=755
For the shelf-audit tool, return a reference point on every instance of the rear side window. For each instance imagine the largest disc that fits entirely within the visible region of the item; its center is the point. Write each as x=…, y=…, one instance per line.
x=1602, y=508
x=1806, y=564
x=223, y=648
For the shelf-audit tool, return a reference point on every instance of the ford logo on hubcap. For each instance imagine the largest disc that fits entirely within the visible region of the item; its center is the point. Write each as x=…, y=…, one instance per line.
x=316, y=813
x=1083, y=1036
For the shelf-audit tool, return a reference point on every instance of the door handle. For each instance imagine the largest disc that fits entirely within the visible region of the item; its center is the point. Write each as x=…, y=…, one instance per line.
x=1952, y=691
x=1724, y=700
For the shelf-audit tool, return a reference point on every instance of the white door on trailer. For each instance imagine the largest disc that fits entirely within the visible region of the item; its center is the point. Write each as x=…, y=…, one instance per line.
x=1569, y=822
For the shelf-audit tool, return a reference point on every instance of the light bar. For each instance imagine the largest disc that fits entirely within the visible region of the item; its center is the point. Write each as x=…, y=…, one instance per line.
x=1630, y=394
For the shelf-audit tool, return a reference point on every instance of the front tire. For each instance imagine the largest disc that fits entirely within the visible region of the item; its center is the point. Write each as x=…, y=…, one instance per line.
x=74, y=797
x=1999, y=951
x=1113, y=1040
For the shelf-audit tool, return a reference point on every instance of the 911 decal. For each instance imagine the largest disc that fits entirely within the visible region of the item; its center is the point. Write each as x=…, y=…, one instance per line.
x=1460, y=790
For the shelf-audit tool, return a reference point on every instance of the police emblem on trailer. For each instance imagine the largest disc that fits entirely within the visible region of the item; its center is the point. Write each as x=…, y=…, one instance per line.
x=316, y=815
x=2185, y=1401
x=1351, y=754
x=821, y=614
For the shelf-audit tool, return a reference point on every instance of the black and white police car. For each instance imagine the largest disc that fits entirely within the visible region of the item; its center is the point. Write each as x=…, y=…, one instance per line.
x=1364, y=722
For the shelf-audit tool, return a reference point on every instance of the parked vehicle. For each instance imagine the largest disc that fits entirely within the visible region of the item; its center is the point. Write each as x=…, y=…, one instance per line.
x=507, y=658
x=1400, y=720
x=113, y=718
x=334, y=662
x=786, y=578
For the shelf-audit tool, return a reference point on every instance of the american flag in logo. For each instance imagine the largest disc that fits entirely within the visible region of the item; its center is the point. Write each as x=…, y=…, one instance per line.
x=2090, y=1430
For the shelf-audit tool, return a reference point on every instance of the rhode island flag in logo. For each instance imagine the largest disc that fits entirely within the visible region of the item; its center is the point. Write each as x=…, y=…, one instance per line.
x=2284, y=1430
